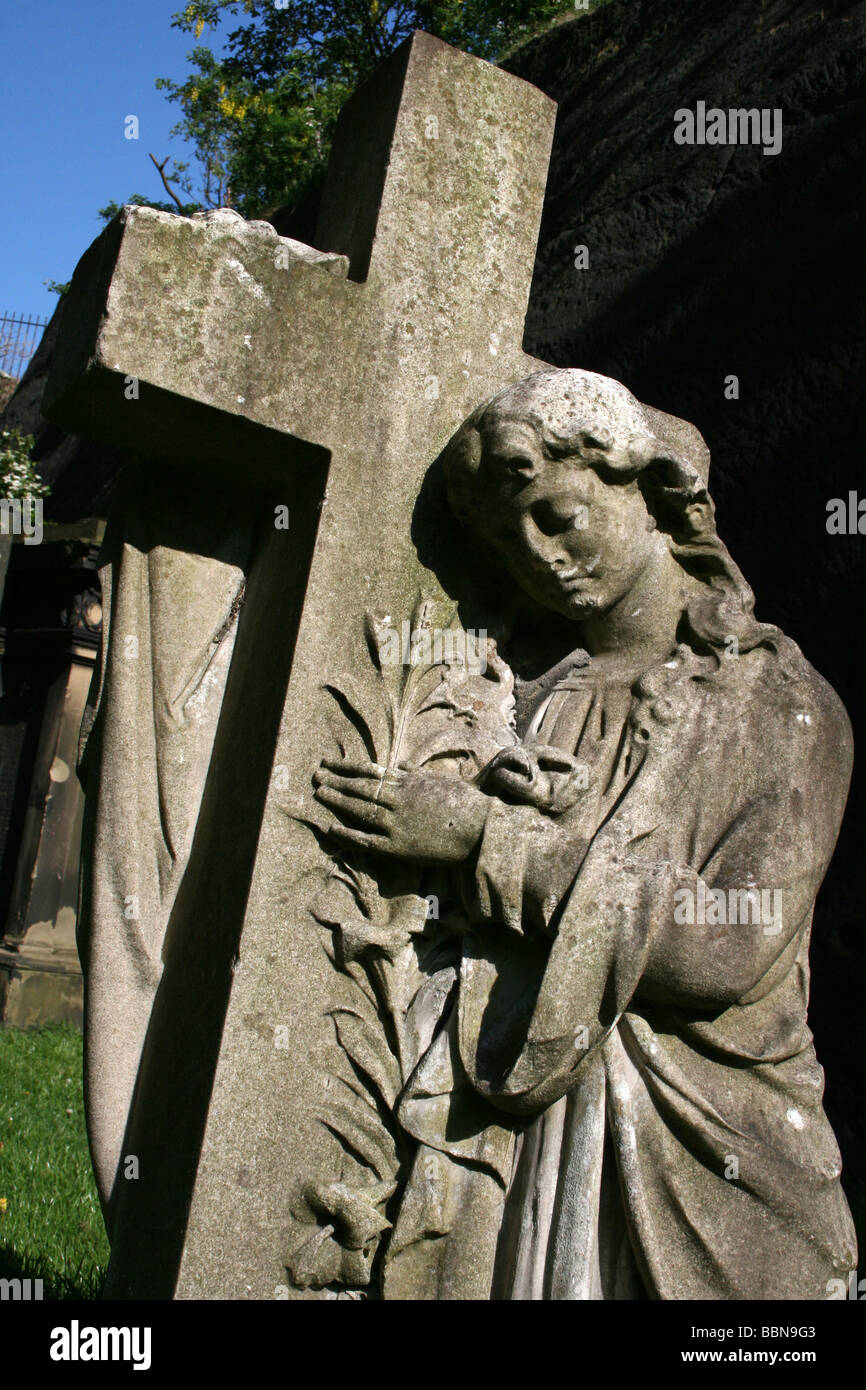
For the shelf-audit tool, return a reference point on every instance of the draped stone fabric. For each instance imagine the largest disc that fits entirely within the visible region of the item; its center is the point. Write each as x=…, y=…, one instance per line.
x=162, y=672
x=653, y=1122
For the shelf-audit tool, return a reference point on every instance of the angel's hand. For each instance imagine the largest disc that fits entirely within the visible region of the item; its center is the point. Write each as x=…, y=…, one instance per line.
x=407, y=814
x=540, y=776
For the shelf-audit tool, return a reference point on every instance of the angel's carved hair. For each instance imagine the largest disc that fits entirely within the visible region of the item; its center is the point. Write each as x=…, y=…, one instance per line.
x=590, y=420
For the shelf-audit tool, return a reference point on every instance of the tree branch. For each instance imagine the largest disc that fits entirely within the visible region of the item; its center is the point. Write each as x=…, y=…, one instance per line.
x=160, y=168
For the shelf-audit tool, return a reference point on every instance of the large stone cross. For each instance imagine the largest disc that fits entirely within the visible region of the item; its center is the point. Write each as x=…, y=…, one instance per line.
x=254, y=375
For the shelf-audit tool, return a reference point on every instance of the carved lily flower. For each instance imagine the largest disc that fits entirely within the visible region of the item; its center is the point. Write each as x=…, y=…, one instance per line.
x=354, y=1211
x=342, y=1250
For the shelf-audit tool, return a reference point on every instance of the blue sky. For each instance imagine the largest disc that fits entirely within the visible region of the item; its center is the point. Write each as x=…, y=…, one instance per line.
x=71, y=72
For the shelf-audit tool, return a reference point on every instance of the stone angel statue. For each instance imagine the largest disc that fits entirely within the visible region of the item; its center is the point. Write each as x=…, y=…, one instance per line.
x=590, y=1067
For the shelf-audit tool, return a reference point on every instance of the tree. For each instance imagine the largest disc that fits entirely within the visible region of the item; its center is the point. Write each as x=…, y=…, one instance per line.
x=260, y=118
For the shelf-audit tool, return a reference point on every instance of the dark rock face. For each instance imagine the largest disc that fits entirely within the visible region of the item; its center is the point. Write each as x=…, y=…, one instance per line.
x=707, y=261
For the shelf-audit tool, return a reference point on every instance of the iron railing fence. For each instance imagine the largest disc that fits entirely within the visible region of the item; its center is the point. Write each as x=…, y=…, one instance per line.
x=19, y=339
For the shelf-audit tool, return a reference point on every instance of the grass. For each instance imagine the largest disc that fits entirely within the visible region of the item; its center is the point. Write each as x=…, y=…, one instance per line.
x=51, y=1224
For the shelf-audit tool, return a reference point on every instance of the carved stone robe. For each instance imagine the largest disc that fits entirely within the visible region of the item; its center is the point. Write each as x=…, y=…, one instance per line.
x=161, y=672
x=617, y=1106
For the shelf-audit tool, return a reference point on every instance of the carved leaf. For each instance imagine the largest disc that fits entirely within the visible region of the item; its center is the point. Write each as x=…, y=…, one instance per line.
x=425, y=1012
x=453, y=742
x=372, y=728
x=365, y=1133
x=365, y=1045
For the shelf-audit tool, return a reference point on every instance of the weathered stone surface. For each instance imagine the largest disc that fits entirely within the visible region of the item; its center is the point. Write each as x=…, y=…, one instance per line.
x=32, y=997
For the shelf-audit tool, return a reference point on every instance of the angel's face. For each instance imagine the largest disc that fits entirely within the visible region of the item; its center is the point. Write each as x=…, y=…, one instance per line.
x=574, y=543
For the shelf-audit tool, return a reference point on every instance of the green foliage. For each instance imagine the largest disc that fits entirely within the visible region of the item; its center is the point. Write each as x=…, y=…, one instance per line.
x=260, y=118
x=18, y=475
x=58, y=287
x=51, y=1225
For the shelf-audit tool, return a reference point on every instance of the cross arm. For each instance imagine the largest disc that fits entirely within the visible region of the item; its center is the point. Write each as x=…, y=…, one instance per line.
x=174, y=330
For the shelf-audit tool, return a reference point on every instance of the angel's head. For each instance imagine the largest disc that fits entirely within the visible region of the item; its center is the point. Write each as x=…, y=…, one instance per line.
x=563, y=478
